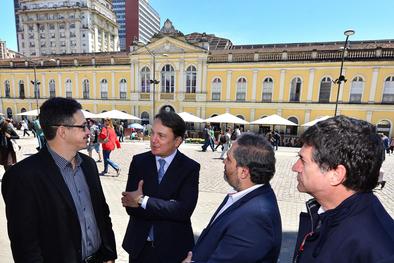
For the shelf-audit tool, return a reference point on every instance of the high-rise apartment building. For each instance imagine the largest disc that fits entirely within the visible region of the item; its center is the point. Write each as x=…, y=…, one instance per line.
x=137, y=20
x=66, y=26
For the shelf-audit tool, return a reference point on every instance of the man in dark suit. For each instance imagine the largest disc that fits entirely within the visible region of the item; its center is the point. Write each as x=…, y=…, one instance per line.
x=247, y=226
x=161, y=195
x=55, y=205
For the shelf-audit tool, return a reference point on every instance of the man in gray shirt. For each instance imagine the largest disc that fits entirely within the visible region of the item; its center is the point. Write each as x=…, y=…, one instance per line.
x=55, y=205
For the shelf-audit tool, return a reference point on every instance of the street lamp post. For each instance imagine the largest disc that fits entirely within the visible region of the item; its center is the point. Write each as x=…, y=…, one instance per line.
x=341, y=77
x=35, y=83
x=153, y=80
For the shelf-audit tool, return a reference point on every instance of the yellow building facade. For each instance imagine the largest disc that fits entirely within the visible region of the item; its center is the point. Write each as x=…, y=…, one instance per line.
x=295, y=81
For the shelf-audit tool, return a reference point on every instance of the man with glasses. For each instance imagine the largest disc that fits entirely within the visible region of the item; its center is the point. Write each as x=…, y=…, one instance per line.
x=339, y=165
x=55, y=205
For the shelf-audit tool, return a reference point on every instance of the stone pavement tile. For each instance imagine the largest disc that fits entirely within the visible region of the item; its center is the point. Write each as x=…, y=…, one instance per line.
x=212, y=191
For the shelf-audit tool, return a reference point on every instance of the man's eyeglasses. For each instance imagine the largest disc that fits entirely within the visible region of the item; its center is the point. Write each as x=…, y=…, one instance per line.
x=82, y=126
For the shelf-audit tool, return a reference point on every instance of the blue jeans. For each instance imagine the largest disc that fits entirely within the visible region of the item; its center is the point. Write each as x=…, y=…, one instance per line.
x=107, y=161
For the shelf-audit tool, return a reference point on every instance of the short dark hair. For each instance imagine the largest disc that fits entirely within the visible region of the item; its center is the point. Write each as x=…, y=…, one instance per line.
x=257, y=154
x=173, y=121
x=57, y=110
x=352, y=143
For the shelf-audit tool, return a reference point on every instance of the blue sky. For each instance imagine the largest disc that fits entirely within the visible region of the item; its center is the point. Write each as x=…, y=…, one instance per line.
x=262, y=21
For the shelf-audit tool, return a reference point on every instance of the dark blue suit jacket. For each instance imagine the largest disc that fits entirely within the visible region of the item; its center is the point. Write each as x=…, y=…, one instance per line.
x=359, y=230
x=249, y=230
x=169, y=208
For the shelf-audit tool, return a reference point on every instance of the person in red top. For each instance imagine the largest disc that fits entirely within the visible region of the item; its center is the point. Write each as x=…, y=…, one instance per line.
x=109, y=140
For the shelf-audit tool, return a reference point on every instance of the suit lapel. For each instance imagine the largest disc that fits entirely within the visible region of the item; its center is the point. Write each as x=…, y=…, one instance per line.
x=52, y=172
x=217, y=210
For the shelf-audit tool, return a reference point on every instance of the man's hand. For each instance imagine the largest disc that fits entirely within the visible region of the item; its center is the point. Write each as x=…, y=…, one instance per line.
x=188, y=259
x=131, y=198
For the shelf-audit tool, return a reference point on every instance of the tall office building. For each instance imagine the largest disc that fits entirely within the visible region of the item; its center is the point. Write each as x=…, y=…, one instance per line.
x=65, y=26
x=137, y=20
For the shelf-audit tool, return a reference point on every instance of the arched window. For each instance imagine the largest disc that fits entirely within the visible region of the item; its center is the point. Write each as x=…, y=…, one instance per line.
x=52, y=88
x=292, y=130
x=69, y=89
x=144, y=118
x=216, y=89
x=388, y=92
x=145, y=80
x=325, y=90
x=268, y=85
x=167, y=79
x=36, y=89
x=7, y=88
x=123, y=89
x=9, y=113
x=241, y=89
x=356, y=91
x=191, y=79
x=21, y=89
x=383, y=126
x=295, y=90
x=104, y=88
x=85, y=88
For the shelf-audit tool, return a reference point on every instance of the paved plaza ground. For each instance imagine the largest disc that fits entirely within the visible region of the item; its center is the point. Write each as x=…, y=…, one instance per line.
x=212, y=191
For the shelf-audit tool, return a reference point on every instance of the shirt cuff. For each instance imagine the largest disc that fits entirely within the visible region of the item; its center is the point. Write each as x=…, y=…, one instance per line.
x=144, y=201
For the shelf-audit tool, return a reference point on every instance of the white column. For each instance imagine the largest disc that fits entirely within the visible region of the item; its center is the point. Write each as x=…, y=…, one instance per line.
x=199, y=76
x=57, y=37
x=228, y=88
x=94, y=89
x=254, y=84
x=13, y=86
x=310, y=86
x=181, y=82
x=281, y=84
x=132, y=80
x=369, y=116
x=137, y=76
x=307, y=115
x=374, y=82
x=252, y=114
x=113, y=83
x=76, y=85
x=28, y=86
x=204, y=76
x=43, y=90
x=59, y=77
x=36, y=40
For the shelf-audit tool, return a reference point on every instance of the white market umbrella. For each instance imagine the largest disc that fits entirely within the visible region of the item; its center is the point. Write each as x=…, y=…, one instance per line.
x=226, y=118
x=115, y=114
x=274, y=120
x=136, y=126
x=311, y=123
x=89, y=115
x=29, y=113
x=187, y=117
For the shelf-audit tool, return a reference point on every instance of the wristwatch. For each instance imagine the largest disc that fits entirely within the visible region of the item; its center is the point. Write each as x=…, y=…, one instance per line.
x=140, y=199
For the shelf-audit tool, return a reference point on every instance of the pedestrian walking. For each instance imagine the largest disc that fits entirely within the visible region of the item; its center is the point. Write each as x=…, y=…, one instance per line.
x=227, y=143
x=24, y=128
x=109, y=141
x=94, y=143
x=7, y=152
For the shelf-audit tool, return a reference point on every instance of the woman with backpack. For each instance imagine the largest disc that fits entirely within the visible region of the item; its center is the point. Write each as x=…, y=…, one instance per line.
x=109, y=140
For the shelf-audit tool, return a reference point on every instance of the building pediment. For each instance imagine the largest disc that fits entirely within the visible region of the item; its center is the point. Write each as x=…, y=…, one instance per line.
x=169, y=45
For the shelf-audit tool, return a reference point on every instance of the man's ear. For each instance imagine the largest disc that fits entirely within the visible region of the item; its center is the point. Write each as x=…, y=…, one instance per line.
x=244, y=172
x=178, y=141
x=338, y=175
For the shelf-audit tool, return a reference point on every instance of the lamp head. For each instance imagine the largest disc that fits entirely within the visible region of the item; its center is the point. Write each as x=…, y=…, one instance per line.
x=349, y=32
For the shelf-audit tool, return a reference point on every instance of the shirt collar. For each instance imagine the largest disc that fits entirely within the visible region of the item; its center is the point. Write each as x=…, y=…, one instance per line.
x=61, y=162
x=168, y=159
x=235, y=196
